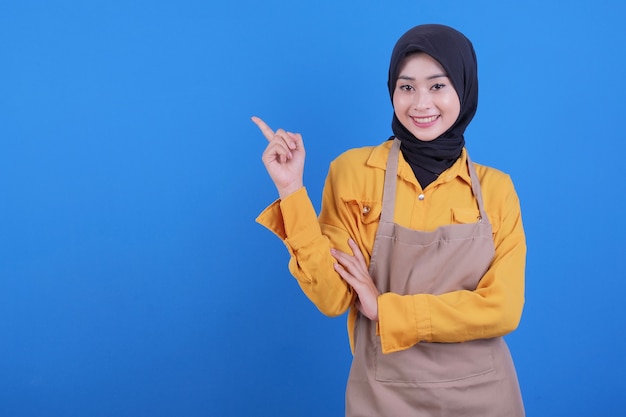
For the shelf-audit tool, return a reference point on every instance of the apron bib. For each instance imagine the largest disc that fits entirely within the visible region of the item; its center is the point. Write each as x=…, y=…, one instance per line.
x=474, y=378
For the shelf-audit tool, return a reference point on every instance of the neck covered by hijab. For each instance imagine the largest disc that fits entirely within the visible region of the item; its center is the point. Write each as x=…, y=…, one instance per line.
x=455, y=53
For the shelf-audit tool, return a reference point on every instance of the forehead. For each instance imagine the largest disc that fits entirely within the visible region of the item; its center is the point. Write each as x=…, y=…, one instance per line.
x=420, y=63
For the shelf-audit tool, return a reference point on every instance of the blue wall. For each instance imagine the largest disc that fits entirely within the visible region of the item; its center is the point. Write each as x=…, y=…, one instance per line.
x=133, y=278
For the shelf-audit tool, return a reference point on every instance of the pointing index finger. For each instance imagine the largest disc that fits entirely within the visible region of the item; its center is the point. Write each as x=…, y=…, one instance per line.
x=265, y=129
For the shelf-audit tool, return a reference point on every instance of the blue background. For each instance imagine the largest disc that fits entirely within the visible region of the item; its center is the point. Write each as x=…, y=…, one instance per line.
x=133, y=278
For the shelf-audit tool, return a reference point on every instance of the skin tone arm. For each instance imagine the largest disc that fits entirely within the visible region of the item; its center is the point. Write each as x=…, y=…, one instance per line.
x=284, y=161
x=283, y=158
x=354, y=271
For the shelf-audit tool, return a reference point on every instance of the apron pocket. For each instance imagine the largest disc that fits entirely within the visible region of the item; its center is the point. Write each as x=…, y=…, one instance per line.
x=436, y=362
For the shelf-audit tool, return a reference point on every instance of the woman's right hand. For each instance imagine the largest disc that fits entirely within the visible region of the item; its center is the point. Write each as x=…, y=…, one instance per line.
x=283, y=158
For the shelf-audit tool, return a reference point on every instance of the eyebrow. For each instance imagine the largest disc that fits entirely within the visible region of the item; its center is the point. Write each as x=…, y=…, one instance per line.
x=432, y=77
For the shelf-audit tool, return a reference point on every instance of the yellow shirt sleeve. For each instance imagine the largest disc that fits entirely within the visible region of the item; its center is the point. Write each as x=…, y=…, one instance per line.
x=294, y=221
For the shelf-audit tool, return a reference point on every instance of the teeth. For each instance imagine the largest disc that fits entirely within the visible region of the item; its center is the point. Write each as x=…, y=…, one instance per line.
x=425, y=119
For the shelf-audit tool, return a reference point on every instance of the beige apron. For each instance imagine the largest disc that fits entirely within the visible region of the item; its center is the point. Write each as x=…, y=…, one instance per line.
x=474, y=378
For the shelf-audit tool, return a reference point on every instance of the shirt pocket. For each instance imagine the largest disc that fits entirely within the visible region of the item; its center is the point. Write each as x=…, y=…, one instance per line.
x=465, y=215
x=366, y=212
x=366, y=215
x=472, y=215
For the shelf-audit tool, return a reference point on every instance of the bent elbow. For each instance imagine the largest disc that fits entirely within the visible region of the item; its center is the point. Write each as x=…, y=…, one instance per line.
x=333, y=308
x=330, y=302
x=509, y=321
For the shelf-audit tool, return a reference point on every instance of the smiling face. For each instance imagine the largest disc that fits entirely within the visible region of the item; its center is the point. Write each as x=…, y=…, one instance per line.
x=424, y=100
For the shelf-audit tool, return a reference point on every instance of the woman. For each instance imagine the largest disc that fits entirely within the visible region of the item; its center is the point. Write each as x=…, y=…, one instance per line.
x=425, y=248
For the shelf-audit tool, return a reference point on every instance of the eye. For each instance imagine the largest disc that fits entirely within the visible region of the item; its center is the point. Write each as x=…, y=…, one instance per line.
x=406, y=87
x=437, y=86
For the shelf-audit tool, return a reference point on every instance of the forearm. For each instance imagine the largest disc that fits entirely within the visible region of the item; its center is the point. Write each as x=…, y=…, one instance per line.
x=493, y=309
x=294, y=220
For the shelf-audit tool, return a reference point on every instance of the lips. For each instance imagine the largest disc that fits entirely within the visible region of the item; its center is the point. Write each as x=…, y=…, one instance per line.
x=425, y=121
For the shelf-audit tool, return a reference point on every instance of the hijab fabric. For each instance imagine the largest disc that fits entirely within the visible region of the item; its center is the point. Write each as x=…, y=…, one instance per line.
x=456, y=55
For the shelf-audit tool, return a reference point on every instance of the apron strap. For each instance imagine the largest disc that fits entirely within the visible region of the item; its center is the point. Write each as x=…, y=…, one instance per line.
x=389, y=189
x=476, y=189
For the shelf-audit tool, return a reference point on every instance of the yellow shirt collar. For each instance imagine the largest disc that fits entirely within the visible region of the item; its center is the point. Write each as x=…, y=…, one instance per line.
x=378, y=159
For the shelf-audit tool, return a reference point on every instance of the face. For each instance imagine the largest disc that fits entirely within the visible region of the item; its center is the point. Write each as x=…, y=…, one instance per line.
x=424, y=100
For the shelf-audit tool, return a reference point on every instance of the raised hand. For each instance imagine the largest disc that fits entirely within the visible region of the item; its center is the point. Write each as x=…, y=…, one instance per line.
x=283, y=158
x=353, y=269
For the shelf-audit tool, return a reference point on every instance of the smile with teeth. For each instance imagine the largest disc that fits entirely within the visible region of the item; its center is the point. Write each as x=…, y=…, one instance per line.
x=424, y=120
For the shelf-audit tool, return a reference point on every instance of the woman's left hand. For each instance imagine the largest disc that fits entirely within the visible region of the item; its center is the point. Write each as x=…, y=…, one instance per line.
x=353, y=269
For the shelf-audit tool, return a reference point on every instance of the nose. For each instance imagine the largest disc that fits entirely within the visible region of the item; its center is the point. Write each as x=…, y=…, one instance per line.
x=421, y=101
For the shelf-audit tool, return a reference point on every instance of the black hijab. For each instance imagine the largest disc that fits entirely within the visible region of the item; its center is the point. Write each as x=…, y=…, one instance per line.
x=456, y=55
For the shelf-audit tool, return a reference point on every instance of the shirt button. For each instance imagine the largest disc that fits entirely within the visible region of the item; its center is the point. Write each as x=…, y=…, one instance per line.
x=366, y=209
x=420, y=197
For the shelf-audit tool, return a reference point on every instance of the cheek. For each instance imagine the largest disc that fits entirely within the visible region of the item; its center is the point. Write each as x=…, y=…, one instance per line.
x=399, y=104
x=453, y=106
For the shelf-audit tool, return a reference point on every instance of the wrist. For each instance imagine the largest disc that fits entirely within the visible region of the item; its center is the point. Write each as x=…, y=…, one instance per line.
x=284, y=192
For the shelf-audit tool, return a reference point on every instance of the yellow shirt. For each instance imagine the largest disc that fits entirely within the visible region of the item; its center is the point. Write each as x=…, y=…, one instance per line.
x=351, y=207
